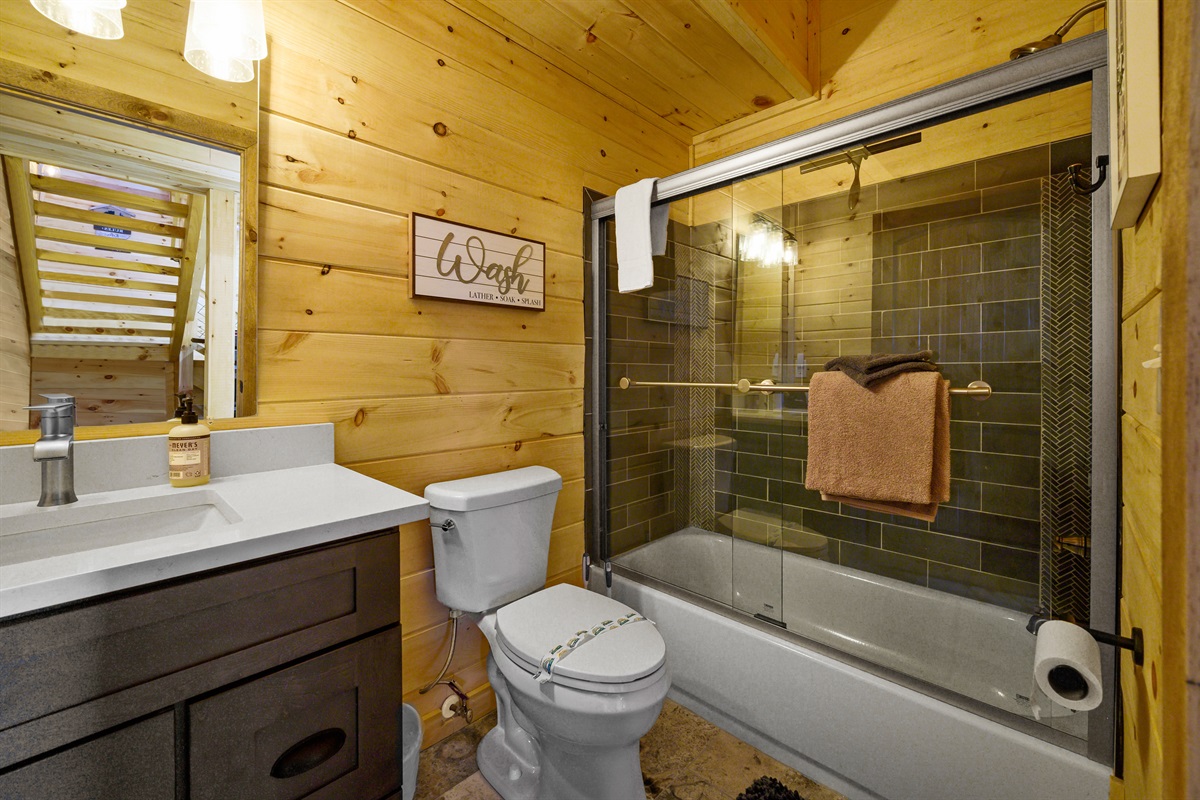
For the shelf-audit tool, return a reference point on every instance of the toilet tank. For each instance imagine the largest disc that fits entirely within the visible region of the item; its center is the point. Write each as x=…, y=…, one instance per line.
x=497, y=548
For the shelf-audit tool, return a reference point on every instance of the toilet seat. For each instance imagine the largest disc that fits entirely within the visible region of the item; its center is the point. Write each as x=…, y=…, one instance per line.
x=618, y=661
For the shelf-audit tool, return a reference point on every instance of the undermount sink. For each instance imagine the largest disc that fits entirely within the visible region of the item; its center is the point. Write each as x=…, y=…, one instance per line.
x=39, y=533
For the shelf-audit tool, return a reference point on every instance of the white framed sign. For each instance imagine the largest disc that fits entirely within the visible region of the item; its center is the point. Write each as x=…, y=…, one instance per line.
x=453, y=261
x=1133, y=107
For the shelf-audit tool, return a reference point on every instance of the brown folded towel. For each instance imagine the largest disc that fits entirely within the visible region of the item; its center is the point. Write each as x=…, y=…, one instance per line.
x=866, y=370
x=889, y=444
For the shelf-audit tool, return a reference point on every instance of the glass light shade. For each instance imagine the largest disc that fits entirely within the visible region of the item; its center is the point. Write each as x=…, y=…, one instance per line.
x=791, y=251
x=225, y=38
x=98, y=18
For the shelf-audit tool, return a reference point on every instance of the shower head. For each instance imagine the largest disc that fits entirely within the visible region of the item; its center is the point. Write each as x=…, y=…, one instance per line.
x=1056, y=37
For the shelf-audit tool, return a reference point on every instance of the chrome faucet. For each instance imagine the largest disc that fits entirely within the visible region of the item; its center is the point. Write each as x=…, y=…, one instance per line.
x=55, y=449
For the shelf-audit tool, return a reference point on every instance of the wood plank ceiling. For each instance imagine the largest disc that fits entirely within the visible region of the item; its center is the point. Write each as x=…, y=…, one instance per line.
x=688, y=65
x=107, y=264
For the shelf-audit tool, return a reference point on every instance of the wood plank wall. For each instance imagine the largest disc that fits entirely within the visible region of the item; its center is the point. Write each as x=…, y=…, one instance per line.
x=370, y=111
x=873, y=51
x=14, y=327
x=1160, y=459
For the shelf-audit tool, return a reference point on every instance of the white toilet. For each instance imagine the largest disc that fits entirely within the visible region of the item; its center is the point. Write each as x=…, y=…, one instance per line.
x=574, y=737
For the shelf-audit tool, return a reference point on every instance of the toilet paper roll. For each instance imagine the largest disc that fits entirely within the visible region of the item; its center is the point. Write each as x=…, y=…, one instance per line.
x=1066, y=665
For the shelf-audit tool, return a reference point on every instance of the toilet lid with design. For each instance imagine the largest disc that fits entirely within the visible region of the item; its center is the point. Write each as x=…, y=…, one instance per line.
x=528, y=628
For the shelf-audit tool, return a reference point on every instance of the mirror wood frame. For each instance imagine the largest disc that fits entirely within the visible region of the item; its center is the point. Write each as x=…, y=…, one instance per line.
x=47, y=87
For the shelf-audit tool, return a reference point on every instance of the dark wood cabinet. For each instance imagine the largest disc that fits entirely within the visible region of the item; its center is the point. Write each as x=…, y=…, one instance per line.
x=273, y=679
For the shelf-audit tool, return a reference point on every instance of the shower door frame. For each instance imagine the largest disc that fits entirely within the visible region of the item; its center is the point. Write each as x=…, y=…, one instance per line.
x=1079, y=61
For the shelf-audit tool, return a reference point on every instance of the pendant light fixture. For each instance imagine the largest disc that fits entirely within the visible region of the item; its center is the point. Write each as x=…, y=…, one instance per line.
x=98, y=18
x=225, y=38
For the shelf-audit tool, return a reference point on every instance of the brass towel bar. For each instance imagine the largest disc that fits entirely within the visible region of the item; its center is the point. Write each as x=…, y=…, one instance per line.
x=980, y=390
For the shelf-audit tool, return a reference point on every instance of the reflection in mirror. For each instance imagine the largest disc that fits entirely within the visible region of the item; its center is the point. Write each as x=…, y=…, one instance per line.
x=119, y=267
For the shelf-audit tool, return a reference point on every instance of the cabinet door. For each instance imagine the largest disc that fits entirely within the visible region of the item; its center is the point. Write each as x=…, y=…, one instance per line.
x=136, y=762
x=328, y=727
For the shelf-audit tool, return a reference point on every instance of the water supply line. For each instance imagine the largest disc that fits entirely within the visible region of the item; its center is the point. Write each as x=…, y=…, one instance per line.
x=454, y=615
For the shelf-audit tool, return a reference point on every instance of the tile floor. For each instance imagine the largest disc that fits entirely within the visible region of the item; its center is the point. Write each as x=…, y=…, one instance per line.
x=683, y=758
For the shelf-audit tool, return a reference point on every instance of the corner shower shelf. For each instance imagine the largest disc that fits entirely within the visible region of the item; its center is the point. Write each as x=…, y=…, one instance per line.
x=980, y=390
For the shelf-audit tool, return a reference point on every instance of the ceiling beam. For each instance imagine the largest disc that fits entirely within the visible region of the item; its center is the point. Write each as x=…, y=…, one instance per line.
x=16, y=172
x=46, y=257
x=85, y=191
x=776, y=34
x=107, y=242
x=189, y=285
x=56, y=211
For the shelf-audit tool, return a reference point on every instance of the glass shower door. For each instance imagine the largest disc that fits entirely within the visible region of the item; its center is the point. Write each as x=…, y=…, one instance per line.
x=761, y=429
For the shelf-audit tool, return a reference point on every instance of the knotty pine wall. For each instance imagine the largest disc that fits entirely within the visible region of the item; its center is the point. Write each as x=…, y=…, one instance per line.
x=1160, y=554
x=370, y=111
x=874, y=51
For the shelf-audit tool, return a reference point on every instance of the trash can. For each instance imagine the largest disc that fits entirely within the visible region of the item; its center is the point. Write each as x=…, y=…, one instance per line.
x=410, y=743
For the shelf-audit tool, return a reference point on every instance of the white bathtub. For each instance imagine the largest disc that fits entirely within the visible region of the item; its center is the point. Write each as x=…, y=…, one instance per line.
x=859, y=733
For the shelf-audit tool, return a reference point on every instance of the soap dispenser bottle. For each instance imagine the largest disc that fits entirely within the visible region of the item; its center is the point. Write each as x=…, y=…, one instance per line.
x=187, y=449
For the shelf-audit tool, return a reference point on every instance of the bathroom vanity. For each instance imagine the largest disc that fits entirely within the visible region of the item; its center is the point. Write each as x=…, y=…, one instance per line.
x=258, y=658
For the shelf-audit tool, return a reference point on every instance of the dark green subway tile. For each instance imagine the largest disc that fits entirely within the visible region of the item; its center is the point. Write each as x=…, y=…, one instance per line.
x=927, y=186
x=1007, y=223
x=907, y=294
x=1013, y=284
x=794, y=494
x=1012, y=315
x=1012, y=346
x=884, y=562
x=956, y=289
x=1019, y=440
x=1014, y=376
x=725, y=503
x=1017, y=409
x=959, y=374
x=848, y=529
x=1019, y=165
x=891, y=269
x=951, y=261
x=965, y=494
x=902, y=322
x=900, y=240
x=950, y=319
x=1025, y=251
x=994, y=589
x=931, y=546
x=645, y=510
x=994, y=528
x=1022, y=193
x=964, y=435
x=748, y=486
x=750, y=442
x=1012, y=501
x=628, y=444
x=758, y=465
x=886, y=519
x=933, y=211
x=996, y=468
x=956, y=347
x=1009, y=562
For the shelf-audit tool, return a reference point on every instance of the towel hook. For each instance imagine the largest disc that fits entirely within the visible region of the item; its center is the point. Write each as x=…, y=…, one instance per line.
x=1082, y=187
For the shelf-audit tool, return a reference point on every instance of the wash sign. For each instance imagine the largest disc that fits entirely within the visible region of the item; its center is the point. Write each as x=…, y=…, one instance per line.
x=461, y=262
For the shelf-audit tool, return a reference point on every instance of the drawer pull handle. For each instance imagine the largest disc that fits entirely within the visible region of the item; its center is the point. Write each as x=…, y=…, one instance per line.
x=309, y=753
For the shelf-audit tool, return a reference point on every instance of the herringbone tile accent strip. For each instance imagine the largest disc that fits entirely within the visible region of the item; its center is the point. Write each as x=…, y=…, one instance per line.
x=695, y=360
x=1066, y=313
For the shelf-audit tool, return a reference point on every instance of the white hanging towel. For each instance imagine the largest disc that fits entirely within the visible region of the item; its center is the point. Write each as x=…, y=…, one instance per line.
x=641, y=234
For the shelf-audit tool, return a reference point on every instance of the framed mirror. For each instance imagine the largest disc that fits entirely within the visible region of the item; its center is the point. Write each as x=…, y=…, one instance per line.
x=128, y=231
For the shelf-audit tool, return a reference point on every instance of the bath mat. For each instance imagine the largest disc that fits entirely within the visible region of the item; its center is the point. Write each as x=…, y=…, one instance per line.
x=768, y=788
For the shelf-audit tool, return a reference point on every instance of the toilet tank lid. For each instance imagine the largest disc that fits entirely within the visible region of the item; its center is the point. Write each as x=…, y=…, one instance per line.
x=495, y=489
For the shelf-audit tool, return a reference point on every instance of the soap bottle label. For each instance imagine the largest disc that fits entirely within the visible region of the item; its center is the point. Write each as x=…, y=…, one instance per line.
x=187, y=457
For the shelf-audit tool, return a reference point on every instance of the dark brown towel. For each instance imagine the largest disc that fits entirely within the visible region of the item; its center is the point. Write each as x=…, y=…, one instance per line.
x=866, y=370
x=889, y=444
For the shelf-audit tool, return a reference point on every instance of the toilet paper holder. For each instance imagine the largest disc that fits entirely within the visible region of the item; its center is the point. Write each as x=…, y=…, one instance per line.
x=1134, y=643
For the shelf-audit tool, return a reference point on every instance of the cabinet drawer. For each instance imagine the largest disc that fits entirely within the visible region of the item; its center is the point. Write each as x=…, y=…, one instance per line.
x=150, y=649
x=136, y=762
x=325, y=728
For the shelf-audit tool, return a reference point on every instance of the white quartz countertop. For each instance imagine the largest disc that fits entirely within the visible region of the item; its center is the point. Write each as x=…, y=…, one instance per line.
x=261, y=514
